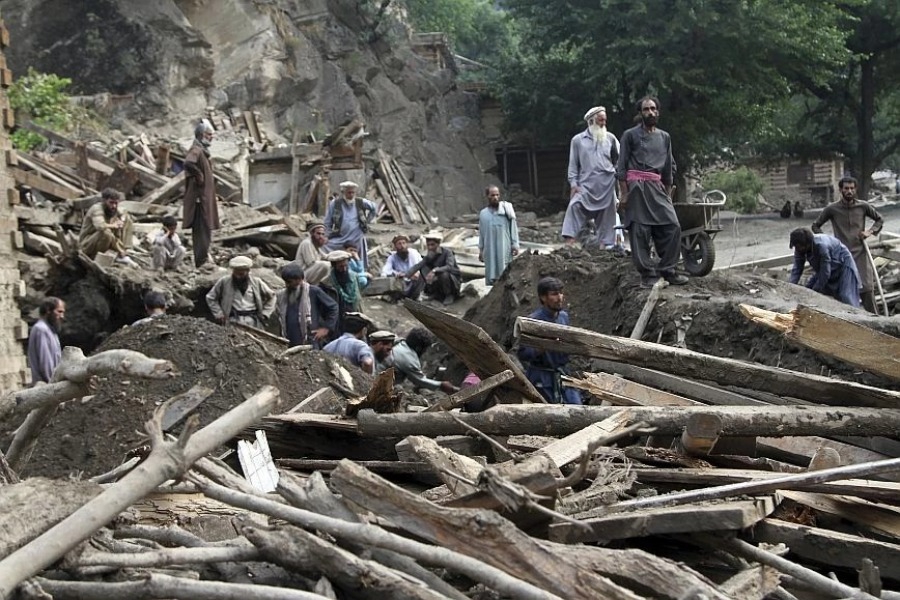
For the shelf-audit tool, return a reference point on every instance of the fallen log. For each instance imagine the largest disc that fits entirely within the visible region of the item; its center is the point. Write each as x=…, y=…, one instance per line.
x=166, y=461
x=561, y=420
x=850, y=342
x=815, y=388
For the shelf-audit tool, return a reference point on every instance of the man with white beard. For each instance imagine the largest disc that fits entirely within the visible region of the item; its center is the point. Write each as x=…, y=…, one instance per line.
x=592, y=178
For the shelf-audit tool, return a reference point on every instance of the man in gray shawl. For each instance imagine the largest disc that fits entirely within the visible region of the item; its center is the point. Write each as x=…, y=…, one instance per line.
x=592, y=181
x=646, y=171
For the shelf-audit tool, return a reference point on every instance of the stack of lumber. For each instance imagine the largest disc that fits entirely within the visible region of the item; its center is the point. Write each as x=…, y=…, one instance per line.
x=401, y=200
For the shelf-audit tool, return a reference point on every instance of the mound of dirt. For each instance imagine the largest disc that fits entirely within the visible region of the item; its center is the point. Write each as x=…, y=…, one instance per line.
x=603, y=294
x=94, y=436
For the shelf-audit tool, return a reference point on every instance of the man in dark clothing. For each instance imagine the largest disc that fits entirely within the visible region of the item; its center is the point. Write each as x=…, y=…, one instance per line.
x=440, y=275
x=646, y=171
x=343, y=286
x=834, y=273
x=542, y=367
x=201, y=213
x=848, y=220
x=307, y=314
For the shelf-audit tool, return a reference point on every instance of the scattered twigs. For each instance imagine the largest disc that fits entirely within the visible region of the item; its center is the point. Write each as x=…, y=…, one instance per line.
x=166, y=461
x=374, y=536
x=579, y=473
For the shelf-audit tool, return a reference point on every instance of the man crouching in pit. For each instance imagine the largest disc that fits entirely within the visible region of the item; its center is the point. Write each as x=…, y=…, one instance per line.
x=241, y=297
x=542, y=367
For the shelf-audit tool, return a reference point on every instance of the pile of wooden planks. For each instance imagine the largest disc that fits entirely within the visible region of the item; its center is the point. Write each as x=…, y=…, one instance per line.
x=400, y=198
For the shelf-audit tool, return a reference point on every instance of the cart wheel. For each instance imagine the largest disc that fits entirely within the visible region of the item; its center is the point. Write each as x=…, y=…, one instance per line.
x=698, y=254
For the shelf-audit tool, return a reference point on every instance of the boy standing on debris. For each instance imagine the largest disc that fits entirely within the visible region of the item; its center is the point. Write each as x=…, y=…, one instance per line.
x=848, y=220
x=306, y=313
x=241, y=297
x=351, y=345
x=347, y=221
x=834, y=272
x=44, y=351
x=105, y=227
x=542, y=367
x=201, y=213
x=168, y=253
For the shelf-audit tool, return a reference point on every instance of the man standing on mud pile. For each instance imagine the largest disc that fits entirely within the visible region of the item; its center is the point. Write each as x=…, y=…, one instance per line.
x=347, y=221
x=351, y=345
x=848, y=220
x=407, y=361
x=498, y=235
x=439, y=275
x=240, y=297
x=44, y=351
x=401, y=260
x=106, y=228
x=592, y=181
x=201, y=212
x=312, y=256
x=167, y=251
x=307, y=314
x=646, y=171
x=542, y=367
x=834, y=272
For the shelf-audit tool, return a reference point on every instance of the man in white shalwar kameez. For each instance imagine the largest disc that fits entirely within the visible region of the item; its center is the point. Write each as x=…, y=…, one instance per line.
x=498, y=235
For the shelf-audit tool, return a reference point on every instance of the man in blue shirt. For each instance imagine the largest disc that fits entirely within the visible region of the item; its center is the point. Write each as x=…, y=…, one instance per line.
x=834, y=272
x=542, y=367
x=352, y=345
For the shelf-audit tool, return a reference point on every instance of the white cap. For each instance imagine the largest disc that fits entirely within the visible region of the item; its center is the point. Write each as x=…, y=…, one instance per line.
x=349, y=184
x=434, y=235
x=337, y=256
x=590, y=113
x=240, y=262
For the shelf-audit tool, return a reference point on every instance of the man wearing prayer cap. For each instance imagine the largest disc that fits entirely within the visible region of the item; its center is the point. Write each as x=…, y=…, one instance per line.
x=312, y=255
x=342, y=285
x=241, y=297
x=347, y=221
x=306, y=313
x=351, y=345
x=440, y=276
x=592, y=181
x=201, y=213
x=382, y=342
x=399, y=263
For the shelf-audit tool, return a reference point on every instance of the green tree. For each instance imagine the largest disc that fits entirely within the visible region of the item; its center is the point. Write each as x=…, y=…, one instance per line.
x=39, y=97
x=742, y=186
x=476, y=29
x=718, y=67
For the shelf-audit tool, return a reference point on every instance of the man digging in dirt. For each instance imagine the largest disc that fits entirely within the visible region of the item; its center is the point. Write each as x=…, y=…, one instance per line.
x=351, y=345
x=106, y=228
x=834, y=272
x=241, y=297
x=407, y=355
x=307, y=314
x=44, y=351
x=543, y=368
x=645, y=171
x=848, y=220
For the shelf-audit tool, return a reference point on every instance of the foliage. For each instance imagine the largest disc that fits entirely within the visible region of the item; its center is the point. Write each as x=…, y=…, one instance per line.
x=41, y=98
x=741, y=185
x=477, y=30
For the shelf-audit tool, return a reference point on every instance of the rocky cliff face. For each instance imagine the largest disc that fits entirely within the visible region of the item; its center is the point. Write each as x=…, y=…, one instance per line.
x=304, y=66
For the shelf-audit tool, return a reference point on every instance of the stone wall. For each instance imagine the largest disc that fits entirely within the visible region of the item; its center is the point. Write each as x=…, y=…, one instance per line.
x=13, y=374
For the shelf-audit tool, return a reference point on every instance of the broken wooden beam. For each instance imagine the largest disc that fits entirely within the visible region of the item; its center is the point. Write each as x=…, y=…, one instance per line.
x=855, y=344
x=472, y=393
x=562, y=420
x=815, y=388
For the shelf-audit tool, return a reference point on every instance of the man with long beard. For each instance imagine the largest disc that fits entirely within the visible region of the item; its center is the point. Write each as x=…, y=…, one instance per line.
x=311, y=255
x=241, y=297
x=592, y=181
x=201, y=213
x=646, y=172
x=44, y=351
x=343, y=286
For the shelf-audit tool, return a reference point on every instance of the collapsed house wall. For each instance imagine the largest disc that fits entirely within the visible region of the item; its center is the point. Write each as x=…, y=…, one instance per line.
x=13, y=372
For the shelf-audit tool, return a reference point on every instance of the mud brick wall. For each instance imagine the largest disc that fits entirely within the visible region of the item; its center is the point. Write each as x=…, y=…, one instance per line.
x=13, y=330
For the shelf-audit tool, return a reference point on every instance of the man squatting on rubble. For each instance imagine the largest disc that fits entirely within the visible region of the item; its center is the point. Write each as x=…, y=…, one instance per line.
x=382, y=344
x=400, y=262
x=307, y=314
x=646, y=171
x=201, y=212
x=848, y=220
x=351, y=345
x=407, y=355
x=44, y=350
x=312, y=255
x=498, y=235
x=106, y=228
x=834, y=272
x=167, y=252
x=154, y=306
x=592, y=178
x=241, y=297
x=440, y=276
x=542, y=367
x=347, y=221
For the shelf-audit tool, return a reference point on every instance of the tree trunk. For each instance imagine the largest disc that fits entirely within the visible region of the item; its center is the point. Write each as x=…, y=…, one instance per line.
x=686, y=363
x=864, y=124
